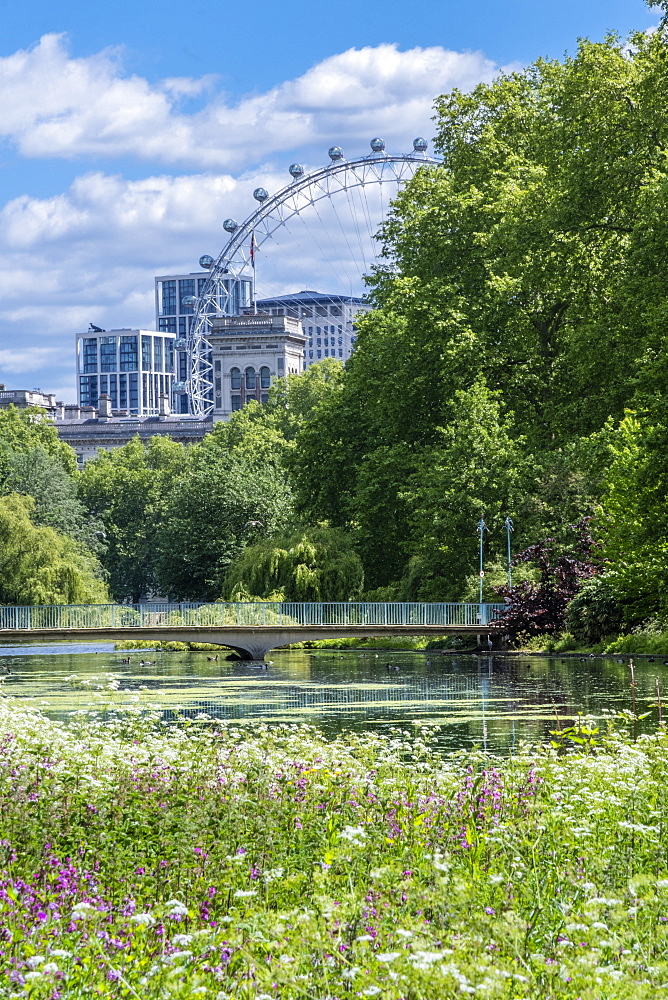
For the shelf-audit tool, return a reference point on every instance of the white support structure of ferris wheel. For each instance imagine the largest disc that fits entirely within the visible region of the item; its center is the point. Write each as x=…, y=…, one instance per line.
x=339, y=177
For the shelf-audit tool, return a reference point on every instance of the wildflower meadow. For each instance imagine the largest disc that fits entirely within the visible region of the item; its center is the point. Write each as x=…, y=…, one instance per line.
x=270, y=863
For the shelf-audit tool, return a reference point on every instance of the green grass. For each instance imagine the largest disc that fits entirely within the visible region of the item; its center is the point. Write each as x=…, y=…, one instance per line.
x=268, y=862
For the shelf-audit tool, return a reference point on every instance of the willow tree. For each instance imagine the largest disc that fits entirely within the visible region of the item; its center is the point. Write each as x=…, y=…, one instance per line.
x=313, y=564
x=39, y=565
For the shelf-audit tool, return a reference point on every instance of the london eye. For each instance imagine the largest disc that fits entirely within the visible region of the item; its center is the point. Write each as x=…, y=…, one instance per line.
x=329, y=215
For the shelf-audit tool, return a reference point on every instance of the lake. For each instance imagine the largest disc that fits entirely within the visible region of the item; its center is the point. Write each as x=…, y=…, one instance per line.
x=491, y=701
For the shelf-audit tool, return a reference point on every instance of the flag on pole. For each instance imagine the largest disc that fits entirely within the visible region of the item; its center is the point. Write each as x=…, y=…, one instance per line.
x=252, y=250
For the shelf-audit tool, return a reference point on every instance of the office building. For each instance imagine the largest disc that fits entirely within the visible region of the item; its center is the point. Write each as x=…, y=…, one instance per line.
x=248, y=353
x=328, y=321
x=174, y=311
x=133, y=367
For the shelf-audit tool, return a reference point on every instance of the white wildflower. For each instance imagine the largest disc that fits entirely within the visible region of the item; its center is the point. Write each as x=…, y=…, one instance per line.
x=388, y=956
x=243, y=893
x=49, y=968
x=402, y=932
x=371, y=991
x=29, y=976
x=355, y=834
x=35, y=960
x=142, y=918
x=182, y=940
x=175, y=908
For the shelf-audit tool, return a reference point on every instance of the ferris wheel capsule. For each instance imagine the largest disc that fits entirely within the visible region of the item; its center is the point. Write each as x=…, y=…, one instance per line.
x=335, y=153
x=206, y=261
x=377, y=145
x=420, y=145
x=230, y=225
x=180, y=344
x=296, y=170
x=260, y=194
x=189, y=300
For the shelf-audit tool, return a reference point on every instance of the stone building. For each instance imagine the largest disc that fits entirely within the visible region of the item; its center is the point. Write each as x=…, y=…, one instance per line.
x=248, y=353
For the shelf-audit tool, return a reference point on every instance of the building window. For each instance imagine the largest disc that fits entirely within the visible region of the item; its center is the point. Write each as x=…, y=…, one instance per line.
x=236, y=402
x=89, y=358
x=182, y=326
x=280, y=364
x=169, y=355
x=318, y=330
x=123, y=391
x=264, y=397
x=88, y=390
x=107, y=354
x=310, y=343
x=216, y=366
x=157, y=353
x=335, y=311
x=183, y=366
x=326, y=353
x=103, y=385
x=340, y=353
x=113, y=392
x=134, y=391
x=235, y=382
x=186, y=287
x=310, y=354
x=250, y=399
x=168, y=298
x=319, y=354
x=167, y=325
x=340, y=340
x=265, y=377
x=319, y=342
x=146, y=353
x=201, y=282
x=250, y=378
x=307, y=313
x=320, y=311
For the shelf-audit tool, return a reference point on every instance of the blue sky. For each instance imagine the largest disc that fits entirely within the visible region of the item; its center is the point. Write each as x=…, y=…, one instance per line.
x=129, y=130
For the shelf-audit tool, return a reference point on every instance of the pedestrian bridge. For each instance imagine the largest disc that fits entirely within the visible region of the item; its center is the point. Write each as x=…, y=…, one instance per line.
x=251, y=628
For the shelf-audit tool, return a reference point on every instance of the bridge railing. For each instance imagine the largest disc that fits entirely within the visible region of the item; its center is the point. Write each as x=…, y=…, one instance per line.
x=252, y=613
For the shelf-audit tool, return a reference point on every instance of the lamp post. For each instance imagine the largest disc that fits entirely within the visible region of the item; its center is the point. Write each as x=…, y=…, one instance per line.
x=508, y=525
x=482, y=528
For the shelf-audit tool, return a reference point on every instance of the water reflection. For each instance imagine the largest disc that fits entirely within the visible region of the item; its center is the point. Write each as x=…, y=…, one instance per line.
x=484, y=700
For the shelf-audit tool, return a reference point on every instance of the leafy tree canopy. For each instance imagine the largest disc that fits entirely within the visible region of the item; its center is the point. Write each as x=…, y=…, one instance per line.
x=127, y=489
x=312, y=564
x=39, y=565
x=26, y=429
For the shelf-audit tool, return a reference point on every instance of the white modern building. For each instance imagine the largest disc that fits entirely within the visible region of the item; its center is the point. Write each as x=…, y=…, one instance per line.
x=248, y=353
x=174, y=310
x=328, y=321
x=133, y=367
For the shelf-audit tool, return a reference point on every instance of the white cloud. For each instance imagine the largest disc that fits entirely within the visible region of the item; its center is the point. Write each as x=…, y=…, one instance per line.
x=54, y=105
x=90, y=253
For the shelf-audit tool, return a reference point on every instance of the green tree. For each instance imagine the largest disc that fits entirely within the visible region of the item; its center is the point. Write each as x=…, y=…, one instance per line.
x=127, y=489
x=311, y=564
x=55, y=492
x=633, y=524
x=206, y=521
x=39, y=565
x=26, y=429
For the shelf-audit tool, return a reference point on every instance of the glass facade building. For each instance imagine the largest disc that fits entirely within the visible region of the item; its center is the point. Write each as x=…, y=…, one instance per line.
x=133, y=367
x=328, y=321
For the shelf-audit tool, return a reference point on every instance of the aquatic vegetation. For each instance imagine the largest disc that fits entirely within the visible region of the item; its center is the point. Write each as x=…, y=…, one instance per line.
x=258, y=862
